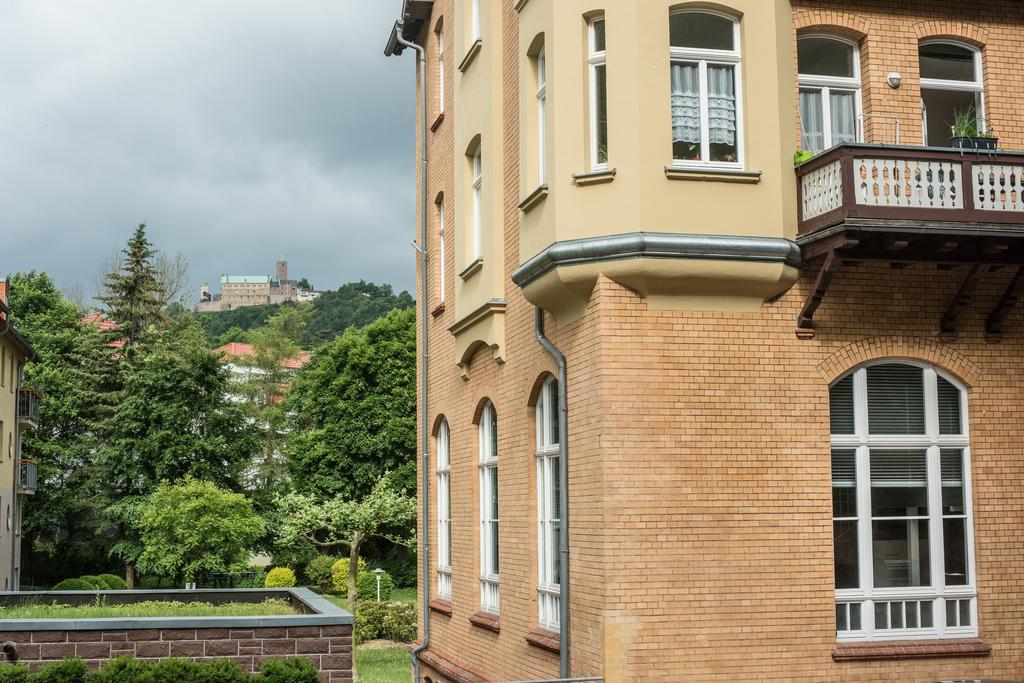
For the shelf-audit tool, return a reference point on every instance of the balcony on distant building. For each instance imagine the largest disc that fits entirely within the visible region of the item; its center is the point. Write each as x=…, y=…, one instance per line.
x=903, y=205
x=28, y=407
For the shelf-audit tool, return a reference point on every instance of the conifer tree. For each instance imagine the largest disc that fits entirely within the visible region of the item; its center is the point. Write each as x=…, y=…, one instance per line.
x=133, y=295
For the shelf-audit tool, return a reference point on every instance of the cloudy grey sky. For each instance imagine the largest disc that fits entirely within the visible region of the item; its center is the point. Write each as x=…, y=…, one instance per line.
x=239, y=130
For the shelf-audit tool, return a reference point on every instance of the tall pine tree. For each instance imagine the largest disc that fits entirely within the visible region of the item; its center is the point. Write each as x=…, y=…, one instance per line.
x=133, y=294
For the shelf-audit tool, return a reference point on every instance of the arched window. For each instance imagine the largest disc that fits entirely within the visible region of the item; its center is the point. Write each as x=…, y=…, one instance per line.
x=829, y=75
x=488, y=431
x=705, y=75
x=901, y=510
x=952, y=92
x=444, y=513
x=548, y=498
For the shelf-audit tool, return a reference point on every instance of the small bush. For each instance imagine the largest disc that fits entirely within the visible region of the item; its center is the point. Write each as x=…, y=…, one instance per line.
x=318, y=572
x=13, y=673
x=288, y=671
x=280, y=577
x=366, y=586
x=385, y=621
x=112, y=582
x=339, y=574
x=74, y=585
x=93, y=580
x=68, y=671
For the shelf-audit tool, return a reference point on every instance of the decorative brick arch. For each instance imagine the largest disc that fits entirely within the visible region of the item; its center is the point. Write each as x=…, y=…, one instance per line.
x=832, y=21
x=958, y=30
x=922, y=349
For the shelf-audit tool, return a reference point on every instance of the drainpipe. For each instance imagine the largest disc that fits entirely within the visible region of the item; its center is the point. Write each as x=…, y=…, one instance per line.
x=563, y=501
x=425, y=426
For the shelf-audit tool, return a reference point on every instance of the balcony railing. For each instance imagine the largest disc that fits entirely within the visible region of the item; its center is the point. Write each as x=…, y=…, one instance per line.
x=910, y=184
x=28, y=477
x=28, y=407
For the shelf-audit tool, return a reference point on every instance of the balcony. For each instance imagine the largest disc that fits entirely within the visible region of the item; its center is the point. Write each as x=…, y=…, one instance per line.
x=28, y=407
x=28, y=477
x=904, y=205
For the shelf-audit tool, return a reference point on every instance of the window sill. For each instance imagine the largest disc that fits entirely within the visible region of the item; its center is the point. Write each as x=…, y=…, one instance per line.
x=485, y=620
x=605, y=175
x=544, y=639
x=441, y=606
x=438, y=310
x=471, y=54
x=437, y=122
x=722, y=175
x=911, y=649
x=534, y=198
x=472, y=269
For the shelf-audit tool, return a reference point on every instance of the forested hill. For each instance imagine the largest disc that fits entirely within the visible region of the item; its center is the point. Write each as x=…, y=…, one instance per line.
x=353, y=305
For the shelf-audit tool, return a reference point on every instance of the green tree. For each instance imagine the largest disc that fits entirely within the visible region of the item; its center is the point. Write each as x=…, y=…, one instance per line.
x=353, y=305
x=195, y=526
x=74, y=373
x=132, y=292
x=304, y=520
x=353, y=411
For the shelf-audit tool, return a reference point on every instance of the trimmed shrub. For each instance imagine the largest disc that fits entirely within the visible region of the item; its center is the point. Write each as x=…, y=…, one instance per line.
x=113, y=582
x=74, y=585
x=288, y=671
x=68, y=671
x=318, y=572
x=94, y=581
x=280, y=577
x=13, y=673
x=366, y=586
x=339, y=574
x=385, y=621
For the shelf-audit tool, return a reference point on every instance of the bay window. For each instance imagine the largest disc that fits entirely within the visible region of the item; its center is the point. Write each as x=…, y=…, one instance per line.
x=444, y=514
x=488, y=433
x=705, y=82
x=548, y=498
x=830, y=101
x=901, y=505
x=598, y=95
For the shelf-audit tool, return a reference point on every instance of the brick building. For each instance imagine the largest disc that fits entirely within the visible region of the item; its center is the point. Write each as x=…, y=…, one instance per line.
x=793, y=396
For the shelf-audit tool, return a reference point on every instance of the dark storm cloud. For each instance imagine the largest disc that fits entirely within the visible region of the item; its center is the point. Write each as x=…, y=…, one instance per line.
x=239, y=130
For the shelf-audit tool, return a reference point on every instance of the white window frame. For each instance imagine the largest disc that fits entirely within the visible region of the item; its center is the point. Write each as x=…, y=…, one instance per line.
x=441, y=250
x=705, y=58
x=474, y=21
x=542, y=123
x=476, y=174
x=489, y=582
x=596, y=59
x=548, y=587
x=444, y=512
x=825, y=84
x=440, y=69
x=861, y=441
x=977, y=86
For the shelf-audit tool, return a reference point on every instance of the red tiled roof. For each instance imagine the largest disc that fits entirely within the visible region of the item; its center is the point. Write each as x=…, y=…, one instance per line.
x=239, y=350
x=102, y=323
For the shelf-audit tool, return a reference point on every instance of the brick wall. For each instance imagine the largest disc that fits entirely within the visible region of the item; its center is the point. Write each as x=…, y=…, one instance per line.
x=328, y=648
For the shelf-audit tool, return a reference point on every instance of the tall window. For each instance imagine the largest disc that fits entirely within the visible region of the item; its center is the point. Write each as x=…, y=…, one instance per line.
x=598, y=96
x=548, y=497
x=440, y=69
x=829, y=75
x=705, y=57
x=951, y=89
x=542, y=102
x=477, y=180
x=444, y=514
x=901, y=505
x=441, y=248
x=474, y=20
x=489, y=509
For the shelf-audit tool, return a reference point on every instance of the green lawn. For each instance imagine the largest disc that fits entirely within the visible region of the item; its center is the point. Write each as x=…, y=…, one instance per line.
x=400, y=595
x=386, y=664
x=149, y=608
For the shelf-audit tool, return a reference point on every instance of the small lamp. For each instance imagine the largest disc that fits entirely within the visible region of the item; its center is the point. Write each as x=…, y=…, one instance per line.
x=894, y=79
x=377, y=572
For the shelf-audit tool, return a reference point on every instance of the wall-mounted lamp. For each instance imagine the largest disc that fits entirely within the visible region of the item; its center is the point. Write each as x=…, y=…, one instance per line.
x=894, y=80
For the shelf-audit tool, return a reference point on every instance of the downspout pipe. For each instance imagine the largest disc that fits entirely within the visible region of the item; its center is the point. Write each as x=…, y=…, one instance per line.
x=425, y=416
x=563, y=501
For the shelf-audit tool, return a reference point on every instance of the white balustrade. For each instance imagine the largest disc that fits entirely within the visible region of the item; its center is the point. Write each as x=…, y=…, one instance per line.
x=998, y=187
x=908, y=184
x=822, y=190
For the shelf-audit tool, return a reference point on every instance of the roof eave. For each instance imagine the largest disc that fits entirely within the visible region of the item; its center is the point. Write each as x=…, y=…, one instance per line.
x=414, y=14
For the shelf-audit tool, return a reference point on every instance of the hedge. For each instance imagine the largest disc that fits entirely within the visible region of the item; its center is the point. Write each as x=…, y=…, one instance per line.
x=366, y=586
x=74, y=585
x=113, y=582
x=129, y=670
x=318, y=572
x=385, y=621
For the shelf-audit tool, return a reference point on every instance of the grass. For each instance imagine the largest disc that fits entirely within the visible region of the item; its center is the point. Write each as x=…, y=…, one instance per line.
x=151, y=608
x=400, y=595
x=383, y=665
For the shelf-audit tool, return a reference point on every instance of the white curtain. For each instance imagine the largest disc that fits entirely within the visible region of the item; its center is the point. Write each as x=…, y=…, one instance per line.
x=685, y=103
x=812, y=128
x=843, y=116
x=721, y=105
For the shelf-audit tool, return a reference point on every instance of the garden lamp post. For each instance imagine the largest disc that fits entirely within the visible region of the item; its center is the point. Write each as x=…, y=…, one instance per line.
x=377, y=572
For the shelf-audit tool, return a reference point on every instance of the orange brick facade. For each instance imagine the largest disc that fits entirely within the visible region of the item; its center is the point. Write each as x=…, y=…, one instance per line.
x=700, y=485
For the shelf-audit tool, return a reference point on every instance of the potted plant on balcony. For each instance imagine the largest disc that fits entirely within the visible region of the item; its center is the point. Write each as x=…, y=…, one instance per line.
x=966, y=134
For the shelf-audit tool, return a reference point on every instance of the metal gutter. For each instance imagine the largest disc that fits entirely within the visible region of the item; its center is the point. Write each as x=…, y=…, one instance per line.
x=657, y=245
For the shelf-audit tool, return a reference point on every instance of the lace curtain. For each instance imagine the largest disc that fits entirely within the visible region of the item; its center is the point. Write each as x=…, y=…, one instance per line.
x=842, y=117
x=812, y=130
x=686, y=104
